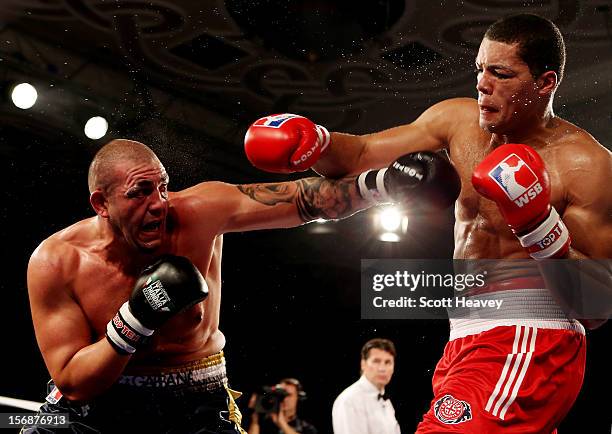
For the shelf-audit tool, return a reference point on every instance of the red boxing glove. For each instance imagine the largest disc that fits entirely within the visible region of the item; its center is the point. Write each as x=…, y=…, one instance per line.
x=285, y=143
x=514, y=177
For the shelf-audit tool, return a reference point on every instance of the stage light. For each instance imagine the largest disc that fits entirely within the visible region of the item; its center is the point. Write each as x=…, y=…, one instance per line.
x=96, y=127
x=389, y=237
x=391, y=222
x=390, y=219
x=24, y=95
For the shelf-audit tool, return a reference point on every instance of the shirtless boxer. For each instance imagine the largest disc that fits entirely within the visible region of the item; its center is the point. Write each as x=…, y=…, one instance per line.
x=154, y=363
x=503, y=374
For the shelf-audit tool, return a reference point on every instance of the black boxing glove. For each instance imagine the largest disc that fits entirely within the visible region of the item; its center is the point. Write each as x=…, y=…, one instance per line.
x=165, y=288
x=424, y=181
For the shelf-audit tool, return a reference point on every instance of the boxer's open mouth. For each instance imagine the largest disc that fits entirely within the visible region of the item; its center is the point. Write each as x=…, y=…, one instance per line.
x=151, y=226
x=487, y=109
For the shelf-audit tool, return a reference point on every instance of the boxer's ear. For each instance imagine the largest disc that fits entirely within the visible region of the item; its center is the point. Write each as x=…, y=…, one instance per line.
x=547, y=83
x=99, y=203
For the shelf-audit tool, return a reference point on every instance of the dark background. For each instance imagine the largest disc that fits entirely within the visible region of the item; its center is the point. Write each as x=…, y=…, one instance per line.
x=187, y=78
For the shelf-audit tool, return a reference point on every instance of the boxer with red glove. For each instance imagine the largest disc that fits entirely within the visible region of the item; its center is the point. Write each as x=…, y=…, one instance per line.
x=285, y=143
x=515, y=178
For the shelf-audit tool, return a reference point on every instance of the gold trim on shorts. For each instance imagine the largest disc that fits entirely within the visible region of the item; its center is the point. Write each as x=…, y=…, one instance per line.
x=206, y=362
x=207, y=374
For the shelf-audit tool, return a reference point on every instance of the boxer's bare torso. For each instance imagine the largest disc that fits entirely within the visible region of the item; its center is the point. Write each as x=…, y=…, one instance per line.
x=513, y=103
x=79, y=277
x=578, y=166
x=571, y=157
x=99, y=280
x=100, y=285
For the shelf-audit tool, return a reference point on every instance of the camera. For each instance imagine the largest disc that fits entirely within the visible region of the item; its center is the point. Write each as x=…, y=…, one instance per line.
x=269, y=401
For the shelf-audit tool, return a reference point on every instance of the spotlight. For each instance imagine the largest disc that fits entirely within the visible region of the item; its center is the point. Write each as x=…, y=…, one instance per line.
x=96, y=127
x=390, y=237
x=392, y=223
x=24, y=95
x=390, y=219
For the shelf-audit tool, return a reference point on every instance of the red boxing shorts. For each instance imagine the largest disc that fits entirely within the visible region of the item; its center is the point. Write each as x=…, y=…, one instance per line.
x=509, y=378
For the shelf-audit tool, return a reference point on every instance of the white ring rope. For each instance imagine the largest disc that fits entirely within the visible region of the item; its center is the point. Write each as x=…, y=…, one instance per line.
x=20, y=403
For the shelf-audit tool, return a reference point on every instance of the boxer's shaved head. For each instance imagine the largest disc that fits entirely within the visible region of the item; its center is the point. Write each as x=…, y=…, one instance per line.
x=102, y=168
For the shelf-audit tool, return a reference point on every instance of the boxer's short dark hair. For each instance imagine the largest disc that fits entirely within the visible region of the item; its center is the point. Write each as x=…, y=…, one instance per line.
x=101, y=170
x=541, y=44
x=378, y=343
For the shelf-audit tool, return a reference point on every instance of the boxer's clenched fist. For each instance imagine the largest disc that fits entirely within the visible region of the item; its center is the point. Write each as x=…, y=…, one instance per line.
x=165, y=288
x=422, y=180
x=285, y=143
x=515, y=178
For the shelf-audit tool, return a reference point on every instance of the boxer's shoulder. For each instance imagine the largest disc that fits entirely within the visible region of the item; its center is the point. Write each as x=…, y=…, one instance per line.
x=61, y=252
x=460, y=103
x=581, y=165
x=576, y=150
x=461, y=115
x=572, y=137
x=52, y=265
x=204, y=205
x=456, y=110
x=201, y=194
x=212, y=197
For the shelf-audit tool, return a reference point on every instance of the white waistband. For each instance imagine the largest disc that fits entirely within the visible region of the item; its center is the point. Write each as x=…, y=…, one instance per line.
x=461, y=328
x=526, y=307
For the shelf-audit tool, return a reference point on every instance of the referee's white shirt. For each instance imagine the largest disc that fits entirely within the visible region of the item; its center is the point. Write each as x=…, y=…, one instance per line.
x=357, y=410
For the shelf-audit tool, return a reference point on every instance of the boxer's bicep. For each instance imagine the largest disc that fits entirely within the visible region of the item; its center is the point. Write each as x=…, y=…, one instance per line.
x=59, y=324
x=591, y=231
x=431, y=131
x=386, y=146
x=588, y=215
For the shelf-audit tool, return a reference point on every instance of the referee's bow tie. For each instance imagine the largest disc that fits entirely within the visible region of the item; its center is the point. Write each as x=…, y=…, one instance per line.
x=383, y=396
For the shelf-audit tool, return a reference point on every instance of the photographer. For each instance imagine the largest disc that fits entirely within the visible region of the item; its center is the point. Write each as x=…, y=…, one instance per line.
x=276, y=410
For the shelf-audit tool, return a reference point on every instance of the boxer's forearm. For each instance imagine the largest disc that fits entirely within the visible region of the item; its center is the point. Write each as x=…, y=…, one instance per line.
x=328, y=199
x=91, y=371
x=341, y=157
x=582, y=286
x=312, y=198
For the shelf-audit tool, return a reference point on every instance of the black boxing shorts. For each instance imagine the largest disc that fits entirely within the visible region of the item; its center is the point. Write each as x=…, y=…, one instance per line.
x=189, y=398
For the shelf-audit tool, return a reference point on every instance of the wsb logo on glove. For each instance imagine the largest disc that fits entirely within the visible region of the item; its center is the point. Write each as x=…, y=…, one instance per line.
x=515, y=178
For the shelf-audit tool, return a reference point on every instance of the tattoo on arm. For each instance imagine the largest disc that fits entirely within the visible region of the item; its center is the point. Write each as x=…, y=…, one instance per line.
x=313, y=197
x=270, y=194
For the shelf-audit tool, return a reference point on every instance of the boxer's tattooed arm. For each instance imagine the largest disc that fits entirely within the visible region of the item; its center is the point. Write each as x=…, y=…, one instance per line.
x=269, y=194
x=327, y=198
x=313, y=197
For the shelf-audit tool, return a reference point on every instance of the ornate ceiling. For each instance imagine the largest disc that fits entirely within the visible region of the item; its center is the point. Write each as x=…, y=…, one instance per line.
x=217, y=64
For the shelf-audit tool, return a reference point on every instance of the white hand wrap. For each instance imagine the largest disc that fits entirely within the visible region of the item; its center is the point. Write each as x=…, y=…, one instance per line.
x=324, y=137
x=371, y=186
x=125, y=333
x=550, y=238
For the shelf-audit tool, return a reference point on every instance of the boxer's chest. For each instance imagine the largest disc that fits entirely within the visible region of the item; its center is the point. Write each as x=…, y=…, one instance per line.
x=467, y=152
x=100, y=290
x=480, y=230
